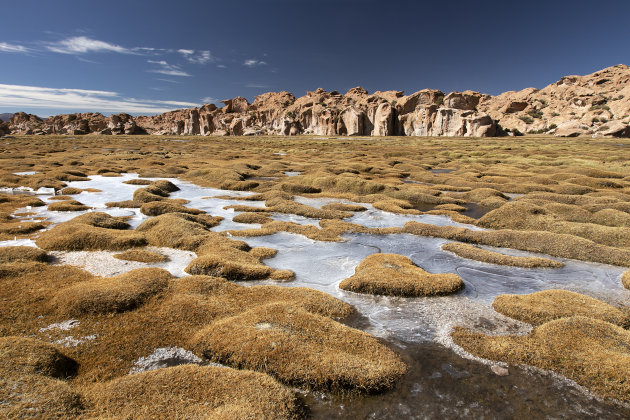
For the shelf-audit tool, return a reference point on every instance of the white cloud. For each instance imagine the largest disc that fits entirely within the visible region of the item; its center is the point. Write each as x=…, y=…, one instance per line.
x=83, y=45
x=209, y=100
x=197, y=57
x=13, y=48
x=167, y=69
x=221, y=66
x=80, y=100
x=254, y=63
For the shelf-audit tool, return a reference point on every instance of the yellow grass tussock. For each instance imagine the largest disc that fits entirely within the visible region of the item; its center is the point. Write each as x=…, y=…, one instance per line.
x=300, y=348
x=141, y=255
x=27, y=356
x=155, y=208
x=114, y=294
x=547, y=305
x=252, y=217
x=194, y=392
x=67, y=205
x=478, y=254
x=16, y=254
x=592, y=352
x=397, y=275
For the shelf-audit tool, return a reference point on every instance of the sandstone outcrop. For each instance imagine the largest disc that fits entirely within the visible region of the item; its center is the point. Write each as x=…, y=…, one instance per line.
x=594, y=105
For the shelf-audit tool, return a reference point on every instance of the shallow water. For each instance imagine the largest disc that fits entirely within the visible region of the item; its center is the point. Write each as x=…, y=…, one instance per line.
x=440, y=382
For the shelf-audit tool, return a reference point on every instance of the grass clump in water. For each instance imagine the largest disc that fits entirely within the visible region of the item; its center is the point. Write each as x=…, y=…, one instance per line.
x=300, y=348
x=547, y=305
x=592, y=352
x=155, y=208
x=68, y=205
x=478, y=254
x=625, y=279
x=397, y=275
x=91, y=231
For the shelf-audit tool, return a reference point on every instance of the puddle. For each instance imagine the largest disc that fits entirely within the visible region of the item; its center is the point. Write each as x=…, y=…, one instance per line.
x=442, y=171
x=25, y=173
x=292, y=173
x=440, y=384
x=475, y=210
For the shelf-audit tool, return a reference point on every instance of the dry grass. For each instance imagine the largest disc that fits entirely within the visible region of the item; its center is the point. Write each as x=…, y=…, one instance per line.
x=194, y=392
x=625, y=280
x=35, y=396
x=592, y=352
x=300, y=348
x=68, y=205
x=343, y=207
x=26, y=356
x=558, y=245
x=397, y=275
x=478, y=254
x=138, y=181
x=109, y=295
x=155, y=208
x=178, y=230
x=141, y=255
x=18, y=254
x=91, y=231
x=547, y=305
x=251, y=217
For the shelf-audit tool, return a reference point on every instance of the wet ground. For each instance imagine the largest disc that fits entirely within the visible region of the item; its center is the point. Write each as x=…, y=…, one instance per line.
x=440, y=383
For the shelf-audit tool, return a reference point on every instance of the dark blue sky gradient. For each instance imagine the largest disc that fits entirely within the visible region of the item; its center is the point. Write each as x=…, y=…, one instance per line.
x=489, y=46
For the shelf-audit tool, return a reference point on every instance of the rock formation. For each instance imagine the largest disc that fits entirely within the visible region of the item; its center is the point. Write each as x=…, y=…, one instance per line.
x=596, y=104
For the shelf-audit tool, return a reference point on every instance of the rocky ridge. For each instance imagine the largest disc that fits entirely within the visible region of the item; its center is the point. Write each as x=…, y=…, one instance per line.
x=597, y=104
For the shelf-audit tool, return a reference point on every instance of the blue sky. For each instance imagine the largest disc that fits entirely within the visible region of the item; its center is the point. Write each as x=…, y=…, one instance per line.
x=145, y=57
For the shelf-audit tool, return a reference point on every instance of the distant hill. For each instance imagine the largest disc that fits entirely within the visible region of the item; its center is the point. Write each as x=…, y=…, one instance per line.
x=6, y=116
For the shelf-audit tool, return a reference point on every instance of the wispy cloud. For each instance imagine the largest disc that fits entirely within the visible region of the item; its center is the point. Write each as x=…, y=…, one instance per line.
x=197, y=57
x=83, y=45
x=167, y=69
x=168, y=80
x=254, y=63
x=18, y=96
x=209, y=100
x=257, y=86
x=221, y=66
x=13, y=48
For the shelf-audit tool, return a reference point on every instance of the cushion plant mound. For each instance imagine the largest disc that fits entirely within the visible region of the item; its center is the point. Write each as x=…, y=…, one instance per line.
x=100, y=219
x=625, y=279
x=592, y=352
x=26, y=356
x=300, y=348
x=114, y=294
x=397, y=275
x=478, y=254
x=79, y=237
x=194, y=392
x=540, y=307
x=155, y=208
x=67, y=205
x=141, y=255
x=220, y=296
x=137, y=181
x=10, y=254
x=178, y=230
x=36, y=396
x=252, y=217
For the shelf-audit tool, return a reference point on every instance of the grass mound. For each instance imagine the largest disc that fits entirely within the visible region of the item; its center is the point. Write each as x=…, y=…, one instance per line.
x=592, y=352
x=251, y=217
x=141, y=255
x=35, y=396
x=155, y=208
x=90, y=231
x=475, y=253
x=547, y=305
x=26, y=356
x=343, y=207
x=114, y=294
x=13, y=254
x=300, y=348
x=188, y=391
x=178, y=230
x=625, y=279
x=137, y=181
x=67, y=205
x=397, y=275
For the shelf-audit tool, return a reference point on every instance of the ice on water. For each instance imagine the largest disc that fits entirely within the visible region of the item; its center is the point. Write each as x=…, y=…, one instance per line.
x=322, y=265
